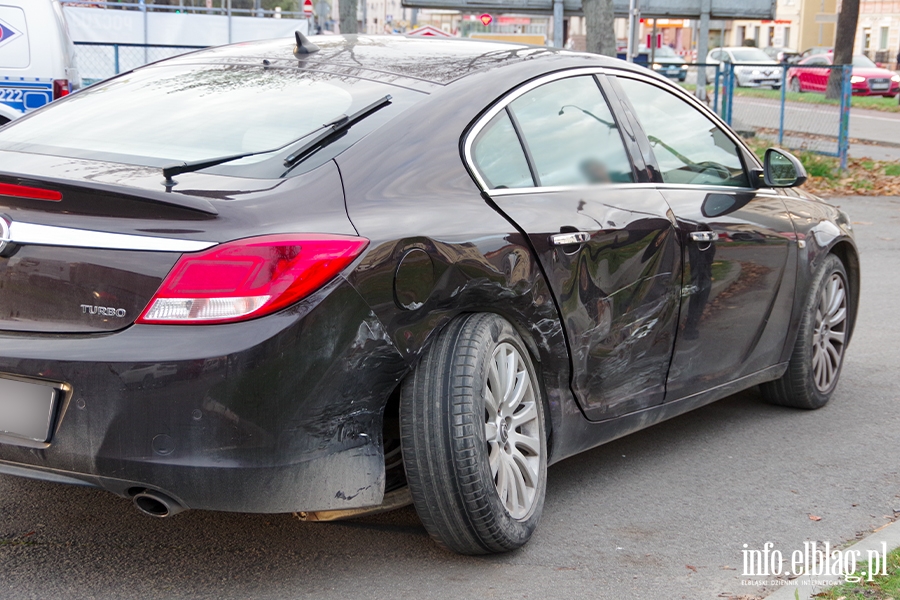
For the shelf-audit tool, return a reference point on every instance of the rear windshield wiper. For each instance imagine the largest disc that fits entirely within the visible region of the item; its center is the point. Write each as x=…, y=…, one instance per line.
x=333, y=130
x=325, y=134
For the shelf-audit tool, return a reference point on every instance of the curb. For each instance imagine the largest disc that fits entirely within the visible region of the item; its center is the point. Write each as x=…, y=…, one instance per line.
x=802, y=589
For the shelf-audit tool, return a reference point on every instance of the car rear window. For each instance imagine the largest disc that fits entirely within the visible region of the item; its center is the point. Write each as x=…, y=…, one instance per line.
x=162, y=115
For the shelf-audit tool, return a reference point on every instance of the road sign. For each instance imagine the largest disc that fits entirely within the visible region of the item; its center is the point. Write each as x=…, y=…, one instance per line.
x=307, y=8
x=429, y=31
x=486, y=19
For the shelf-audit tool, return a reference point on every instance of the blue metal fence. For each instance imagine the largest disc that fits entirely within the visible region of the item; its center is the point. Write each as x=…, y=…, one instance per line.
x=817, y=126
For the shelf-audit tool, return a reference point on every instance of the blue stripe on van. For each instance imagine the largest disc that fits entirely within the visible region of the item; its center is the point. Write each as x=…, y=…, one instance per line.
x=25, y=96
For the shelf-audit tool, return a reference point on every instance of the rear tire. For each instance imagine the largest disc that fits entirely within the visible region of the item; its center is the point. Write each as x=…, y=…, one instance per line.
x=815, y=365
x=473, y=437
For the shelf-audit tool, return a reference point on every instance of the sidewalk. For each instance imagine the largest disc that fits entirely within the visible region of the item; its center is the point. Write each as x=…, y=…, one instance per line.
x=802, y=588
x=875, y=152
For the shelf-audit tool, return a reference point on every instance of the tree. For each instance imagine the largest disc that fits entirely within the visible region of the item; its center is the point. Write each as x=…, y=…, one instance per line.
x=347, y=10
x=843, y=44
x=599, y=19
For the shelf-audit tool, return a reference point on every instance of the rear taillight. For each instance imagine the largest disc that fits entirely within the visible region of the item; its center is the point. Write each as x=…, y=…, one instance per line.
x=60, y=88
x=249, y=278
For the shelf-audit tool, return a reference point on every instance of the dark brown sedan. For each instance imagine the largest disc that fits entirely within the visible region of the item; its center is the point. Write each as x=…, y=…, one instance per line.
x=334, y=276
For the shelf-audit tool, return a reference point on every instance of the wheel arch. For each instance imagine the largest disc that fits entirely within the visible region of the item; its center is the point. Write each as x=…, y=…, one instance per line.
x=541, y=357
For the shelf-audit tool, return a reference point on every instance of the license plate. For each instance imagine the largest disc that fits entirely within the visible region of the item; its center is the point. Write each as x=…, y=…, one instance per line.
x=879, y=86
x=26, y=409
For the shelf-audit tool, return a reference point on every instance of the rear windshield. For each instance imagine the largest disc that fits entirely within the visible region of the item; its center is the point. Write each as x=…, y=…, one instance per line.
x=168, y=114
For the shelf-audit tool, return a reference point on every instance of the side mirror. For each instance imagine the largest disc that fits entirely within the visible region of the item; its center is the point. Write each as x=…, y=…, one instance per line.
x=782, y=169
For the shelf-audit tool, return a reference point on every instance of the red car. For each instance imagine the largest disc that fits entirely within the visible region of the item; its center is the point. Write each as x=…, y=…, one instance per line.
x=868, y=79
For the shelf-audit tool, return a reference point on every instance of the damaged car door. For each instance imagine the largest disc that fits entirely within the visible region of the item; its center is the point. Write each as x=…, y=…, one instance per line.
x=738, y=286
x=552, y=158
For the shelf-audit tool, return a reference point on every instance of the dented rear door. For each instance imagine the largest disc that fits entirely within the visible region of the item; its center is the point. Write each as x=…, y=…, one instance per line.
x=606, y=242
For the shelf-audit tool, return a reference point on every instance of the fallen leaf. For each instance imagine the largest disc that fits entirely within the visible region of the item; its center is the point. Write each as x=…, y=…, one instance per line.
x=814, y=518
x=692, y=568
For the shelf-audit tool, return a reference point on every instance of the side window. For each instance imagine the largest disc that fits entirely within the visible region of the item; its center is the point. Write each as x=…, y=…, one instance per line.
x=499, y=157
x=687, y=145
x=570, y=134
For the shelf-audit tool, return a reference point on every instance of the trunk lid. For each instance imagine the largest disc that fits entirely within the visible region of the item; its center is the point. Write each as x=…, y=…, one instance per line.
x=88, y=256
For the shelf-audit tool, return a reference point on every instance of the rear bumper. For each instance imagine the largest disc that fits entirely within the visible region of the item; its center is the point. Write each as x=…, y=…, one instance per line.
x=278, y=414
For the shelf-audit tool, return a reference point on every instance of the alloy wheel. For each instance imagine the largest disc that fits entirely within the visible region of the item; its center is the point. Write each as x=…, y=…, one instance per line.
x=512, y=430
x=829, y=334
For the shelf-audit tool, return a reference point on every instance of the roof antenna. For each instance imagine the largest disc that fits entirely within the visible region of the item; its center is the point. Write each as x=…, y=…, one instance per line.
x=304, y=46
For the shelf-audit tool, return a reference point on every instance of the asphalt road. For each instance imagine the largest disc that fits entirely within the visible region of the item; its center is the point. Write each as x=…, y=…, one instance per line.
x=662, y=514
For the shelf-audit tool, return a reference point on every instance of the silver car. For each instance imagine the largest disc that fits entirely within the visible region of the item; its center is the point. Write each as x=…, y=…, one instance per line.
x=753, y=67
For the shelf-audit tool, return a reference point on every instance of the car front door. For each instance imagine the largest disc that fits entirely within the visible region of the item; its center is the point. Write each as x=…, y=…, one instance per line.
x=552, y=158
x=738, y=285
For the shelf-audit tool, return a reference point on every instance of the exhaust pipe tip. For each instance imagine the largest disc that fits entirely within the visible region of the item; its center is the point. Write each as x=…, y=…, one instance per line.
x=156, y=504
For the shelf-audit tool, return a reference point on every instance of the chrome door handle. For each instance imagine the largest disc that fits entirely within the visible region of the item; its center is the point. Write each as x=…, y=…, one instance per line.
x=704, y=237
x=567, y=239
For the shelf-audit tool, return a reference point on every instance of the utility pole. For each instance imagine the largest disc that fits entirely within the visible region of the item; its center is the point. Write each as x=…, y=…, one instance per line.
x=703, y=47
x=558, y=16
x=634, y=24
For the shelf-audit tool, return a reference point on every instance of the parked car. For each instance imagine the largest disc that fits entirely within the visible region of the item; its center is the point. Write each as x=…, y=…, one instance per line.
x=753, y=67
x=666, y=62
x=37, y=58
x=781, y=54
x=866, y=79
x=490, y=257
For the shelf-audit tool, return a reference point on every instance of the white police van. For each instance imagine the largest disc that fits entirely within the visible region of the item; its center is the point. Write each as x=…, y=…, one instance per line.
x=37, y=57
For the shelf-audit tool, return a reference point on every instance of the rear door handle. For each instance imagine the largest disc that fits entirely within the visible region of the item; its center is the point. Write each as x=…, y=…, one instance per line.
x=567, y=239
x=704, y=237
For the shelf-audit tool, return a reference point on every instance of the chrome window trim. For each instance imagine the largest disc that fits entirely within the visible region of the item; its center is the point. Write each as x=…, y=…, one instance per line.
x=501, y=105
x=51, y=235
x=497, y=193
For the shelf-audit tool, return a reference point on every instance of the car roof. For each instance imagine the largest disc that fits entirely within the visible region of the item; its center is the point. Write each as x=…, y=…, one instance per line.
x=435, y=61
x=395, y=59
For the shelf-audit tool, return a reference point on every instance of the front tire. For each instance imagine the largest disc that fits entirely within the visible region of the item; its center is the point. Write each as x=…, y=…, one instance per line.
x=473, y=435
x=815, y=364
x=795, y=85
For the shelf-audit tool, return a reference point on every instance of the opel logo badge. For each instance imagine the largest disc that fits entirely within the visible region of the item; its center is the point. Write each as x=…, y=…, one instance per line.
x=4, y=233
